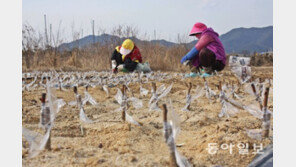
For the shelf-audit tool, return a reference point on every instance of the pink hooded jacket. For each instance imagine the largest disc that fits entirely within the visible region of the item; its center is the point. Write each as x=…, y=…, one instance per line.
x=210, y=40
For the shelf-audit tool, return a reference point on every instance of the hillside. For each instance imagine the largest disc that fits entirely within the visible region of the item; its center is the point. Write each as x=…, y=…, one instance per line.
x=237, y=40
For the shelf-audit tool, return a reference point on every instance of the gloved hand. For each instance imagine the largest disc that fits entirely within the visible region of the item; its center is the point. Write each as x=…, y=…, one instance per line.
x=184, y=58
x=120, y=67
x=114, y=70
x=190, y=55
x=113, y=64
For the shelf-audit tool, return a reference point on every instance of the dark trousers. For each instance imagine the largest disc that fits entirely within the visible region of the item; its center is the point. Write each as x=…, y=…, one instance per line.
x=127, y=63
x=117, y=57
x=207, y=58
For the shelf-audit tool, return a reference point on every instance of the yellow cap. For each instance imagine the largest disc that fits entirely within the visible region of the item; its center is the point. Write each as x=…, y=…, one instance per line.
x=127, y=46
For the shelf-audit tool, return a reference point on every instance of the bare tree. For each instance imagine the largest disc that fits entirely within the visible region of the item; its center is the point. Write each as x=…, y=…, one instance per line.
x=56, y=42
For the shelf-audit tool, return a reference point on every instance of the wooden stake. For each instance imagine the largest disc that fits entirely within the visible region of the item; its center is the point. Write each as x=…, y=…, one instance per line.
x=48, y=143
x=79, y=102
x=124, y=98
x=77, y=97
x=42, y=99
x=266, y=115
x=165, y=113
x=153, y=87
x=168, y=132
x=75, y=89
x=220, y=86
x=188, y=93
x=81, y=129
x=60, y=83
x=189, y=88
x=154, y=91
x=80, y=106
x=45, y=120
x=139, y=77
x=234, y=104
x=204, y=79
x=257, y=96
x=244, y=73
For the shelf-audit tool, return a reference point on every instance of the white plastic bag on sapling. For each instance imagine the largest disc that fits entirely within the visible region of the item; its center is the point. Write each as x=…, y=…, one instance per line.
x=105, y=88
x=36, y=141
x=189, y=98
x=137, y=103
x=254, y=133
x=143, y=91
x=239, y=61
x=84, y=117
x=243, y=73
x=130, y=119
x=88, y=98
x=174, y=124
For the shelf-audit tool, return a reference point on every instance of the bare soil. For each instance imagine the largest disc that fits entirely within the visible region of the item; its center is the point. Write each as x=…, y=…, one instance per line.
x=110, y=142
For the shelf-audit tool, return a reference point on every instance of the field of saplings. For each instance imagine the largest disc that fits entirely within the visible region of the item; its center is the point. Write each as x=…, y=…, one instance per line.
x=146, y=119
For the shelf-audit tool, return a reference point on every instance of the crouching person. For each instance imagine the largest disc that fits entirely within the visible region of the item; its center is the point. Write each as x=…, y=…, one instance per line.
x=208, y=53
x=126, y=57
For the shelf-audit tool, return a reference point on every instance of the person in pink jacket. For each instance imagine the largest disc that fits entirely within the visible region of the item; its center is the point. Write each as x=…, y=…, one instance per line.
x=208, y=53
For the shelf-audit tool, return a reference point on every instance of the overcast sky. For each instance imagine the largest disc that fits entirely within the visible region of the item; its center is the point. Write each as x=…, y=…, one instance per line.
x=167, y=17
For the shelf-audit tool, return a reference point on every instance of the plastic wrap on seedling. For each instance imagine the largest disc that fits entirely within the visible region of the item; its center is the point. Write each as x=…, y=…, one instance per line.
x=36, y=141
x=231, y=91
x=105, y=88
x=119, y=96
x=153, y=106
x=165, y=92
x=189, y=98
x=83, y=117
x=119, y=109
x=239, y=61
x=53, y=103
x=223, y=112
x=248, y=89
x=175, y=120
x=88, y=98
x=231, y=110
x=181, y=161
x=154, y=98
x=137, y=103
x=243, y=73
x=188, y=101
x=130, y=119
x=59, y=103
x=128, y=87
x=236, y=95
x=160, y=89
x=174, y=125
x=254, y=110
x=143, y=91
x=228, y=109
x=210, y=93
x=236, y=104
x=72, y=103
x=33, y=87
x=199, y=92
x=259, y=90
x=30, y=84
x=254, y=133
